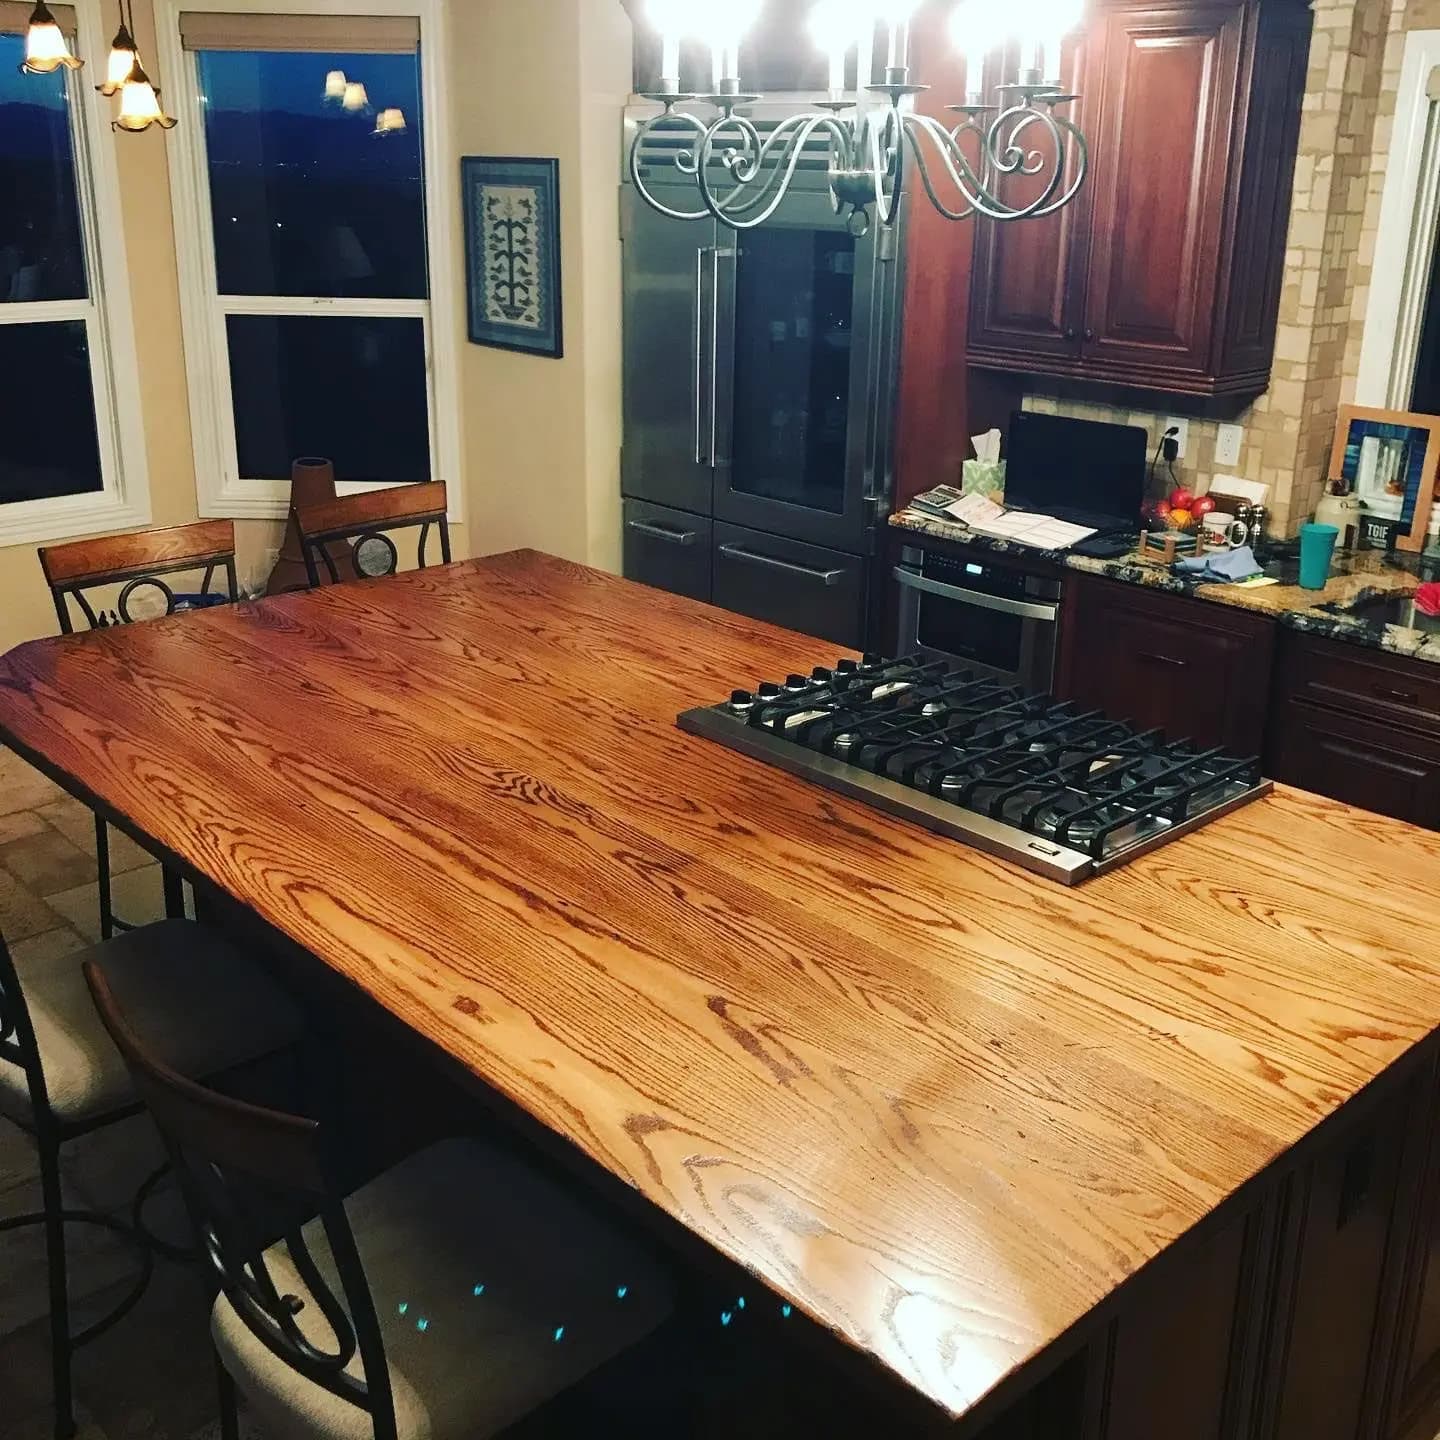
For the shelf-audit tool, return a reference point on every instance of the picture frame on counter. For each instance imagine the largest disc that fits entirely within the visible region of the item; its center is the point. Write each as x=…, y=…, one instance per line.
x=1389, y=460
x=512, y=253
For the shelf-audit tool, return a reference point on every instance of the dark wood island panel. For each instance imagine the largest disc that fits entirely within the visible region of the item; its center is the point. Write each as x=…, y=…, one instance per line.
x=993, y=1133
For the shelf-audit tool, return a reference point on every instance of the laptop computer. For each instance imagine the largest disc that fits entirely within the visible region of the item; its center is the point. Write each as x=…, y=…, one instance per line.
x=1084, y=471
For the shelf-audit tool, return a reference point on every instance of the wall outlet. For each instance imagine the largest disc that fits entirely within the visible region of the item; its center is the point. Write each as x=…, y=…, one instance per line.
x=1182, y=435
x=1228, y=440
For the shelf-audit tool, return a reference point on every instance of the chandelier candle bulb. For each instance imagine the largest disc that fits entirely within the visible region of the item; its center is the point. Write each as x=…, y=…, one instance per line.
x=670, y=63
x=673, y=19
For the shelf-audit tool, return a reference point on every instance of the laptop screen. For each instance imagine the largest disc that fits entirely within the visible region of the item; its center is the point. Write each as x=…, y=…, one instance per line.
x=1054, y=463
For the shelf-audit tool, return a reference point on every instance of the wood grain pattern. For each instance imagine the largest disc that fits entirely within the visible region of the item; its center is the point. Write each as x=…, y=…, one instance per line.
x=943, y=1106
x=116, y=556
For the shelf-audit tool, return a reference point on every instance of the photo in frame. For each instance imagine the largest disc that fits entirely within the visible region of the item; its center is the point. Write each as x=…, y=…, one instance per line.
x=512, y=253
x=1389, y=459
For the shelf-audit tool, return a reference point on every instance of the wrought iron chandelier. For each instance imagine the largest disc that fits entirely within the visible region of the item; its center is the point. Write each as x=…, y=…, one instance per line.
x=1018, y=143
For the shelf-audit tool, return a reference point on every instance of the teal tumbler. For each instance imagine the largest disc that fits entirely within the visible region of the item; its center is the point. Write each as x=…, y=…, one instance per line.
x=1317, y=545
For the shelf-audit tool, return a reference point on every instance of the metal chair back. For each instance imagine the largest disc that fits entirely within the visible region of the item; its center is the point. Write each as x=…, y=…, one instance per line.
x=361, y=522
x=137, y=564
x=240, y=1167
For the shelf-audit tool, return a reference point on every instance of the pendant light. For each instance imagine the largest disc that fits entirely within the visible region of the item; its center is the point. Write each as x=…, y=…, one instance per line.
x=123, y=59
x=46, y=49
x=125, y=76
x=140, y=104
x=389, y=122
x=335, y=85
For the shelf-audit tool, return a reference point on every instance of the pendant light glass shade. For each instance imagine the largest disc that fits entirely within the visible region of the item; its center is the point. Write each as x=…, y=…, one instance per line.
x=122, y=61
x=335, y=85
x=355, y=97
x=140, y=104
x=390, y=122
x=46, y=49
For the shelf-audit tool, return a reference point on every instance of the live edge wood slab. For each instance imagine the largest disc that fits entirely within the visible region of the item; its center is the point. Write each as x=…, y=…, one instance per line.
x=945, y=1107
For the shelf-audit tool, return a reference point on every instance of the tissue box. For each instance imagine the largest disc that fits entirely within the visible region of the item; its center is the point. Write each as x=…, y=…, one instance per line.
x=982, y=477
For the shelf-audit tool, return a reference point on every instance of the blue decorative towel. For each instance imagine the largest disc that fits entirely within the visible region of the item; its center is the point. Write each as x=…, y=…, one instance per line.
x=1221, y=565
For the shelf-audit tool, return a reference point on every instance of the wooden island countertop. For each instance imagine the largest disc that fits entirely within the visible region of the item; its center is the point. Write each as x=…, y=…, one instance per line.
x=944, y=1106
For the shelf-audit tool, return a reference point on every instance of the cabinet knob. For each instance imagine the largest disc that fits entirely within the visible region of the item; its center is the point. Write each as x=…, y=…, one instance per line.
x=1069, y=332
x=1089, y=333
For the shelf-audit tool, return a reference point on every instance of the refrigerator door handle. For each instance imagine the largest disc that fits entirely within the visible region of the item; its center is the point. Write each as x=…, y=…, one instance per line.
x=700, y=255
x=717, y=254
x=790, y=567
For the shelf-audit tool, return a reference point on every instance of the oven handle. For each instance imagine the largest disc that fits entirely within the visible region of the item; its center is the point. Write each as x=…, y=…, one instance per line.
x=1025, y=609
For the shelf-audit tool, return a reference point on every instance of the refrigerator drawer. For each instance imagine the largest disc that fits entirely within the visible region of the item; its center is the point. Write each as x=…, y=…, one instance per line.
x=669, y=549
x=803, y=587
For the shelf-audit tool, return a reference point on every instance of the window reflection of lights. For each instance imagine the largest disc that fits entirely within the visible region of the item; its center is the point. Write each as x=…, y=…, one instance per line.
x=390, y=122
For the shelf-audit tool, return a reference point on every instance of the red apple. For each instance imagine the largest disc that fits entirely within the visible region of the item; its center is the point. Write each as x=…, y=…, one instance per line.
x=1181, y=498
x=1203, y=506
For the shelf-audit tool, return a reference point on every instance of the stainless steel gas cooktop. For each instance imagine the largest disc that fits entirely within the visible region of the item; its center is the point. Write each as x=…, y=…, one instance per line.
x=1061, y=790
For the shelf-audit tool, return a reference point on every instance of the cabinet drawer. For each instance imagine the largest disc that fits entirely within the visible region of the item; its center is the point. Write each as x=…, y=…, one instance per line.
x=1390, y=688
x=803, y=587
x=667, y=548
x=1192, y=669
x=1358, y=760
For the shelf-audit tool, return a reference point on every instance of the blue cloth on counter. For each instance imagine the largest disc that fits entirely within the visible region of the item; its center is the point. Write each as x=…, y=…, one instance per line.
x=1221, y=565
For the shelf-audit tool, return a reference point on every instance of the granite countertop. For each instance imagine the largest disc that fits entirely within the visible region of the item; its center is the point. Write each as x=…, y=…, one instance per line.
x=1355, y=577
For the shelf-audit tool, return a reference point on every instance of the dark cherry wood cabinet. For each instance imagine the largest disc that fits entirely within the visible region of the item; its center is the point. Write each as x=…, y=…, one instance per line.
x=1340, y=1228
x=1412, y=1297
x=1166, y=661
x=1027, y=276
x=1358, y=725
x=1165, y=272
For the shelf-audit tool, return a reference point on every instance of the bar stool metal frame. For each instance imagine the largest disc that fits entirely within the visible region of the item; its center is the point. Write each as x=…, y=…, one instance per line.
x=136, y=562
x=19, y=1046
x=212, y=1012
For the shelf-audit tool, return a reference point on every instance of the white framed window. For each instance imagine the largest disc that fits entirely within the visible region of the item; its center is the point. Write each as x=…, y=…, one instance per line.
x=72, y=450
x=310, y=197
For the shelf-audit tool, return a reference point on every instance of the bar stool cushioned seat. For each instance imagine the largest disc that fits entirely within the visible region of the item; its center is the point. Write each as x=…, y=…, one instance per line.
x=194, y=999
x=493, y=1289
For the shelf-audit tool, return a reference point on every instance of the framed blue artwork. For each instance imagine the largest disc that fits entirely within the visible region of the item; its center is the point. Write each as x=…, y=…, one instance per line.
x=512, y=252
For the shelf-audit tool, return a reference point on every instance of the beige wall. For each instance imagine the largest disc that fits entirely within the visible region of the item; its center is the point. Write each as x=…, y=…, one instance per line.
x=541, y=438
x=1349, y=93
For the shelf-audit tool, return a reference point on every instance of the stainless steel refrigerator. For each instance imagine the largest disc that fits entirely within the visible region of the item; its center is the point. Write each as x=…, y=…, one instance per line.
x=760, y=377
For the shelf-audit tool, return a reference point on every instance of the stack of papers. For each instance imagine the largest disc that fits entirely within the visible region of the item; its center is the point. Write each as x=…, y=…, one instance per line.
x=983, y=515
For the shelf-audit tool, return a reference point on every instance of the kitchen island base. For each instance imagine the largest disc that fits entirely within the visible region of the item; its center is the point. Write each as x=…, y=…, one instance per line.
x=1309, y=1309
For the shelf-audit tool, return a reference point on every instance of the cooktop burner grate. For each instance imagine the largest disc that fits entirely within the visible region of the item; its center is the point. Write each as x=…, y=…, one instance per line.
x=1063, y=790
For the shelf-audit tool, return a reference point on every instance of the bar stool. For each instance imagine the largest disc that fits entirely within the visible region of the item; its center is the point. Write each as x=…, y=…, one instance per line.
x=138, y=564
x=362, y=521
x=199, y=1004
x=448, y=1298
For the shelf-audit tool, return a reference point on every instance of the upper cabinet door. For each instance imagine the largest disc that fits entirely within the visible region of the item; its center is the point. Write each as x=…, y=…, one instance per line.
x=1159, y=204
x=1029, y=274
